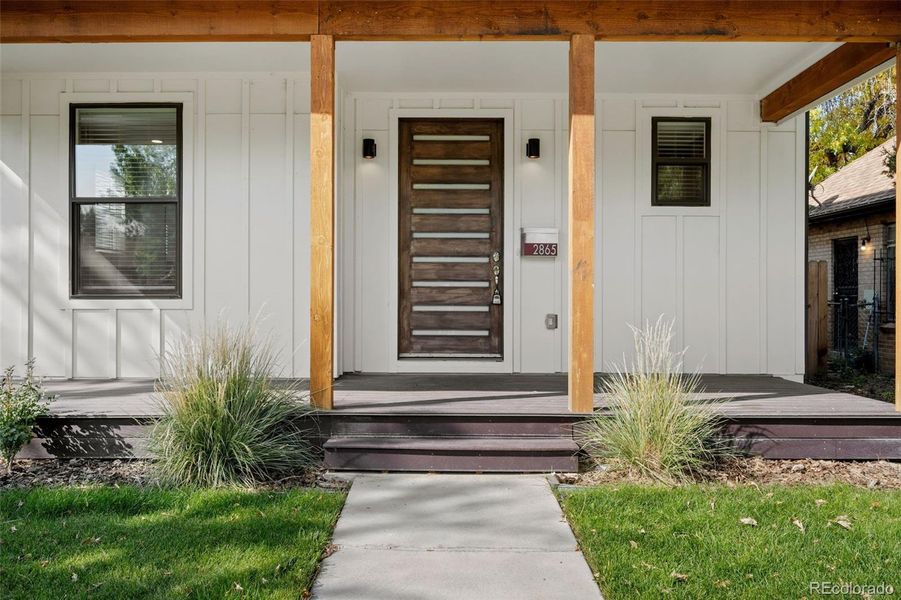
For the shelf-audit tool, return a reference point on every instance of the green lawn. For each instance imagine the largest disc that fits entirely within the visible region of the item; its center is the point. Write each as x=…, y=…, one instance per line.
x=688, y=542
x=150, y=543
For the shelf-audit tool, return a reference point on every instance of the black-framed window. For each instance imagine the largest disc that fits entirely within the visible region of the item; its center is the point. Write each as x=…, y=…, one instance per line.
x=680, y=163
x=125, y=190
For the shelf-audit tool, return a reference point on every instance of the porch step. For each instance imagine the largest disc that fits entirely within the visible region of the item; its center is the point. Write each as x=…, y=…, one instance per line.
x=450, y=425
x=451, y=454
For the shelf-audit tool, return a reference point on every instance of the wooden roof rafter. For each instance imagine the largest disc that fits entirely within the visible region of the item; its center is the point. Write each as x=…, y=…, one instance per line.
x=820, y=80
x=52, y=21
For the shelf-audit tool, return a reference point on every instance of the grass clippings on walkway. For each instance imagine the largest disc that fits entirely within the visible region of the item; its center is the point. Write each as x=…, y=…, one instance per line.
x=127, y=542
x=714, y=541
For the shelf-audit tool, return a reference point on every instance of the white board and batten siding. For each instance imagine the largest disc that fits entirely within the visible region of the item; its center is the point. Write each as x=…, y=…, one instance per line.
x=246, y=215
x=731, y=275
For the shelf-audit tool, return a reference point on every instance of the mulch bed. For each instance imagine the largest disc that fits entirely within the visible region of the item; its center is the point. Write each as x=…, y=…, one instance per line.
x=78, y=472
x=878, y=474
x=740, y=471
x=869, y=385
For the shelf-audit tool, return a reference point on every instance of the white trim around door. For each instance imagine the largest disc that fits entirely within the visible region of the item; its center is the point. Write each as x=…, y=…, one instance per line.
x=511, y=141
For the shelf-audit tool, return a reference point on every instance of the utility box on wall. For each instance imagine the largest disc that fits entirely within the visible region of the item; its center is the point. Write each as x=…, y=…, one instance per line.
x=540, y=241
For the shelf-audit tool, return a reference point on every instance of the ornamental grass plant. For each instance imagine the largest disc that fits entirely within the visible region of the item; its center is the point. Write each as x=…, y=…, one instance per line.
x=225, y=421
x=657, y=422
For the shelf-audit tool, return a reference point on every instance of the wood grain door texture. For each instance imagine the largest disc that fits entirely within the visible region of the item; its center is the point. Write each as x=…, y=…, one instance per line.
x=451, y=223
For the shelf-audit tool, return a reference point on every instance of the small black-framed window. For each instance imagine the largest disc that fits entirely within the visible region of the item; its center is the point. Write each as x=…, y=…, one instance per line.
x=125, y=193
x=680, y=161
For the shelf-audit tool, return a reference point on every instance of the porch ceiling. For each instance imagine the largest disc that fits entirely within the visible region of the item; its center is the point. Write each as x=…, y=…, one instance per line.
x=621, y=67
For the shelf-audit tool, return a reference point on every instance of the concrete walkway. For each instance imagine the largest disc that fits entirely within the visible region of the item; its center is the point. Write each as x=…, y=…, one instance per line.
x=424, y=537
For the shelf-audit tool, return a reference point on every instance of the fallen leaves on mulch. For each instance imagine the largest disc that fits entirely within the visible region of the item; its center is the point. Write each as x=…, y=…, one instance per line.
x=870, y=474
x=80, y=472
x=77, y=472
x=877, y=474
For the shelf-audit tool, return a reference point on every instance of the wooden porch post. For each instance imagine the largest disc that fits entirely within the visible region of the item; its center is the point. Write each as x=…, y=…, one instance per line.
x=581, y=223
x=897, y=212
x=322, y=218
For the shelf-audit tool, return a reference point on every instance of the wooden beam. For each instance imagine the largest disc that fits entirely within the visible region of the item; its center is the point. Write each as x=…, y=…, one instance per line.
x=897, y=212
x=322, y=218
x=822, y=78
x=156, y=21
x=581, y=223
x=625, y=20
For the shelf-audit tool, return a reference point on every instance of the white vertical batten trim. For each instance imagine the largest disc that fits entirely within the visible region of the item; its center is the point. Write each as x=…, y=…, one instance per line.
x=245, y=176
x=392, y=256
x=510, y=335
x=763, y=198
x=723, y=242
x=25, y=132
x=800, y=244
x=516, y=284
x=289, y=198
x=680, y=281
x=73, y=343
x=117, y=344
x=637, y=221
x=349, y=291
x=198, y=282
x=69, y=352
x=337, y=233
x=560, y=212
x=337, y=225
x=358, y=241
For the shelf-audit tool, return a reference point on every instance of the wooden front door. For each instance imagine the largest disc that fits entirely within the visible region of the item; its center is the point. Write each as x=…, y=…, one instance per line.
x=451, y=223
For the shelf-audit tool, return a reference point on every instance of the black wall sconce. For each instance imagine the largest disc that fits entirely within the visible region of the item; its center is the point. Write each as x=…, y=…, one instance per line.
x=368, y=148
x=864, y=242
x=533, y=148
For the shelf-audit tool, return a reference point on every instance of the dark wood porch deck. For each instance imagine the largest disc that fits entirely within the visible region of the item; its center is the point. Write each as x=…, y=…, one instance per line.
x=743, y=396
x=486, y=422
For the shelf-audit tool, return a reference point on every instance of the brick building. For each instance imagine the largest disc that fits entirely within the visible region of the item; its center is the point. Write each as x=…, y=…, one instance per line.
x=851, y=226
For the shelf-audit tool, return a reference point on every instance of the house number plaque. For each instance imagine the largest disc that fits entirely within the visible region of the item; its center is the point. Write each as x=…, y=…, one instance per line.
x=539, y=249
x=539, y=241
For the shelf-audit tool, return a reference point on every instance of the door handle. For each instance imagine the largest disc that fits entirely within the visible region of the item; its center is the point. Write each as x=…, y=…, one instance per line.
x=496, y=269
